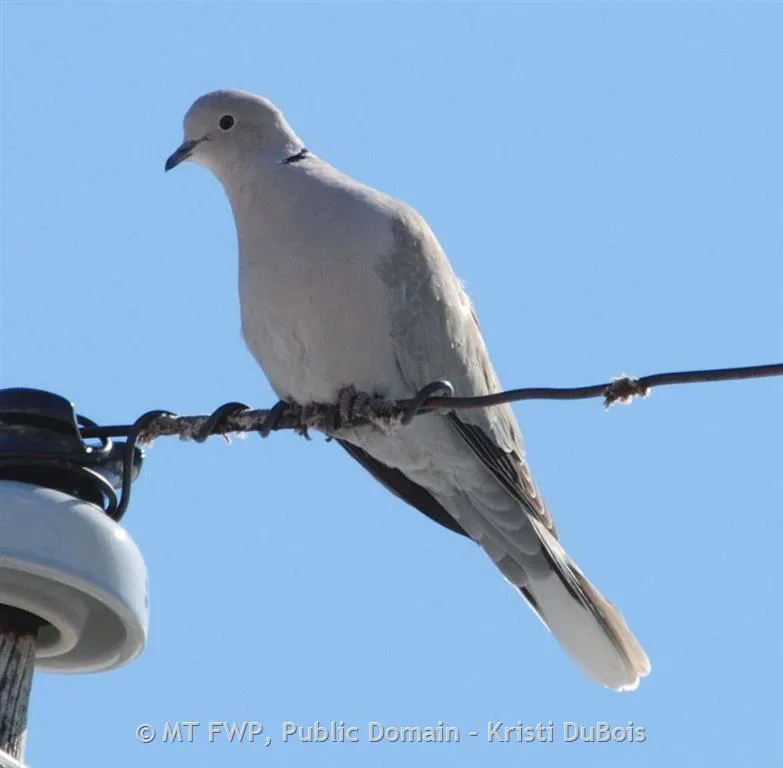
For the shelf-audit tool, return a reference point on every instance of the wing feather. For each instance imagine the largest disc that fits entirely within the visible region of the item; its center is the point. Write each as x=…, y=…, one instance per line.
x=437, y=336
x=403, y=487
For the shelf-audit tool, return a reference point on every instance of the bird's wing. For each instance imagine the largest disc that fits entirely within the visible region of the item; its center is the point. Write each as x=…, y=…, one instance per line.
x=403, y=487
x=475, y=464
x=437, y=336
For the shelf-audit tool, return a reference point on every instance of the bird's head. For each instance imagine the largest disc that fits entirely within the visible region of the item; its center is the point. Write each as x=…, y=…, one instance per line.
x=221, y=127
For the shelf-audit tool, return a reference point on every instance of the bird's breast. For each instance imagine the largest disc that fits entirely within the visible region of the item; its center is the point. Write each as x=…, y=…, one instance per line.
x=315, y=308
x=317, y=321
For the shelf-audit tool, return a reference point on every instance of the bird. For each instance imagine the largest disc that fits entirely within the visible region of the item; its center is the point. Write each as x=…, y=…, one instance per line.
x=345, y=288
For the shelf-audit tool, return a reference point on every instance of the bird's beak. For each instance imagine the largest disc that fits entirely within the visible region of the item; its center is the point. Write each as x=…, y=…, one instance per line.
x=183, y=152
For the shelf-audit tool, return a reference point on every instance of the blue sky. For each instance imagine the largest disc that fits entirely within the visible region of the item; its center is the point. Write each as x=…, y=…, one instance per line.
x=608, y=181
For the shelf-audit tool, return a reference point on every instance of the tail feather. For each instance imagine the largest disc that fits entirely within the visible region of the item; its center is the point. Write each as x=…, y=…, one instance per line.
x=586, y=625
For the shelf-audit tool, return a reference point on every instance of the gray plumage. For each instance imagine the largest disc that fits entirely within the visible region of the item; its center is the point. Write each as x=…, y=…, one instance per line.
x=341, y=285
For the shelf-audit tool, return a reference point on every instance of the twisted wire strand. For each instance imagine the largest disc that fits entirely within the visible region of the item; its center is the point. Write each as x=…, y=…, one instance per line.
x=367, y=408
x=355, y=408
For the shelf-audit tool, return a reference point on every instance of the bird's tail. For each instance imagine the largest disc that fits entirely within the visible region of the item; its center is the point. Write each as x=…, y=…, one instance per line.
x=586, y=625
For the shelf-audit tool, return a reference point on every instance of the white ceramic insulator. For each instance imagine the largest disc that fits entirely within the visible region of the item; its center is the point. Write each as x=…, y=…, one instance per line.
x=66, y=561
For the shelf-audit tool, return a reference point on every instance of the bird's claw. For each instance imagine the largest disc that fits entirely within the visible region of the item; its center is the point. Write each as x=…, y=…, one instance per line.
x=351, y=404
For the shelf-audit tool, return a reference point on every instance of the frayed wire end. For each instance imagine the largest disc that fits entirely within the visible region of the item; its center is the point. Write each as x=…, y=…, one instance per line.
x=623, y=389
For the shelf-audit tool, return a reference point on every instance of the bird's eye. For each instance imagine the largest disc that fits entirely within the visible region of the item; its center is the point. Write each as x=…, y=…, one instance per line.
x=226, y=122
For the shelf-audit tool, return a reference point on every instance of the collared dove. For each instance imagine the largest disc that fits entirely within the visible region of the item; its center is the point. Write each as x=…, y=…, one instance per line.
x=343, y=286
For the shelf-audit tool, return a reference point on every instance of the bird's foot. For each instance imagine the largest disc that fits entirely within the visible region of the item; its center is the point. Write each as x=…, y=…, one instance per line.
x=351, y=409
x=352, y=405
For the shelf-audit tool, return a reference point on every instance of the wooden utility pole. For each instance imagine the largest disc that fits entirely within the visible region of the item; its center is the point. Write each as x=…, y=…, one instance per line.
x=18, y=634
